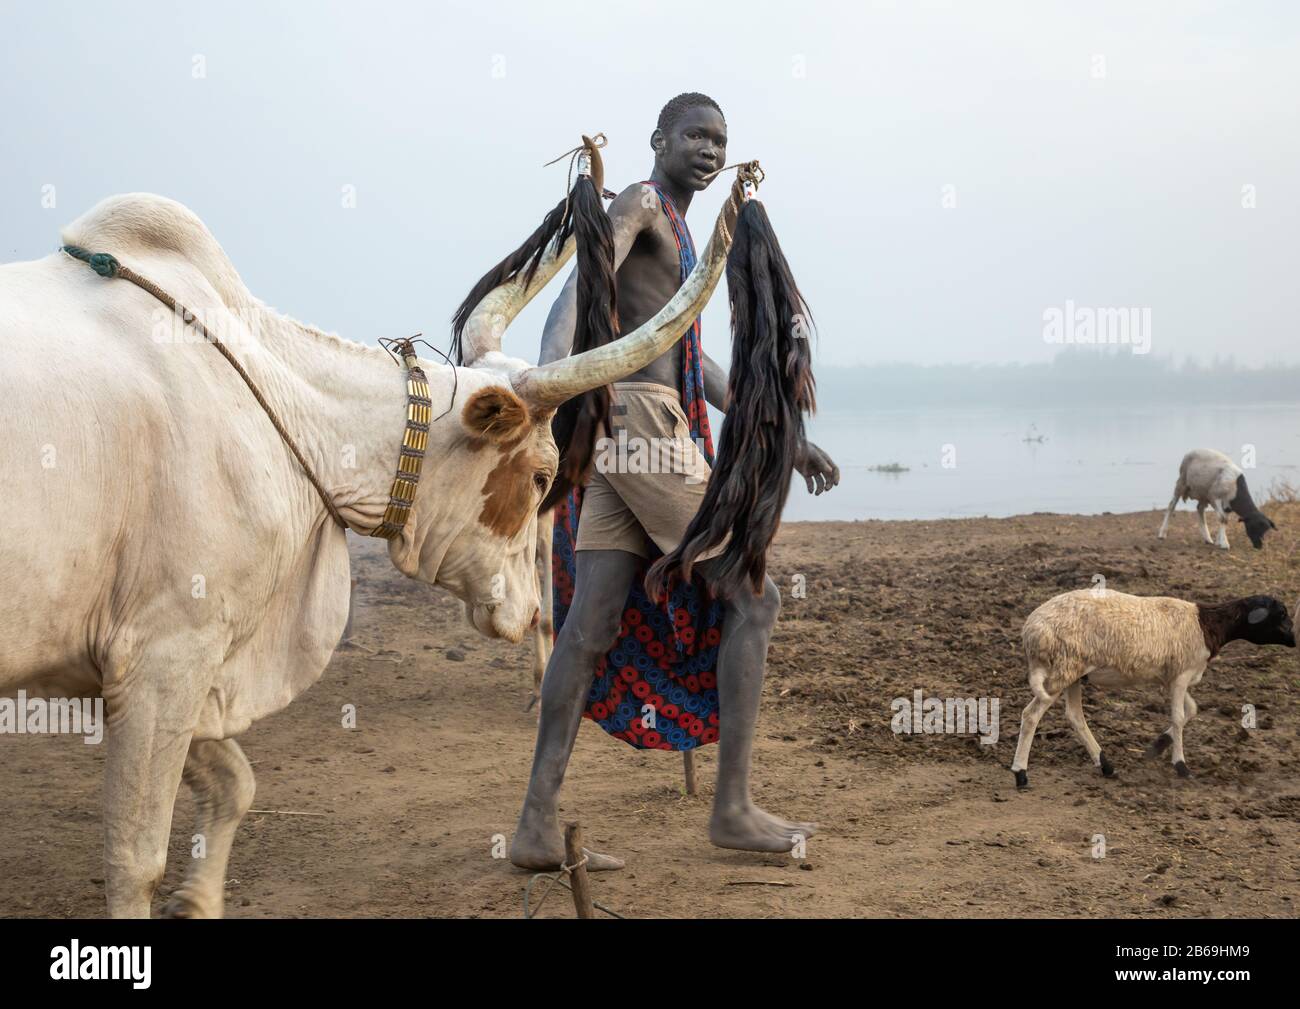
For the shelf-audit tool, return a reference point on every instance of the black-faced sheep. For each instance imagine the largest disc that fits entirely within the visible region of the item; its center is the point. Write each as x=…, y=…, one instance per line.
x=1111, y=639
x=1213, y=479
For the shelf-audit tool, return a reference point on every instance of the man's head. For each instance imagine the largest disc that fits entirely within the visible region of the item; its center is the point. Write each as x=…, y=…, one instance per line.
x=690, y=141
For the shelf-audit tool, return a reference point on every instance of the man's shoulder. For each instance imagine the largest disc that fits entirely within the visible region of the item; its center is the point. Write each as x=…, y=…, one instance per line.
x=639, y=202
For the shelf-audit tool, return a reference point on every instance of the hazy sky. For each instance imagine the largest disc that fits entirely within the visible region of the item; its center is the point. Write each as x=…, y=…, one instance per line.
x=1096, y=152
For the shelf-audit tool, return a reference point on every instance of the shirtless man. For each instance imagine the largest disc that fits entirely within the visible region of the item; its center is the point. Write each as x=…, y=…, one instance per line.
x=619, y=515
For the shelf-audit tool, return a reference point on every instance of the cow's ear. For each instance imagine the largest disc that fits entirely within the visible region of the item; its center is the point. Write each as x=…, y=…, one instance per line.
x=495, y=414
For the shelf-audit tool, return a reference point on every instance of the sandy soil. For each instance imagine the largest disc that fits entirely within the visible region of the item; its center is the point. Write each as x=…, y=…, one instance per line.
x=405, y=807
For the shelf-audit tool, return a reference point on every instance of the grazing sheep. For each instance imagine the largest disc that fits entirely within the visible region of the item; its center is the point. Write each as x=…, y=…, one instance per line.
x=1111, y=639
x=1213, y=479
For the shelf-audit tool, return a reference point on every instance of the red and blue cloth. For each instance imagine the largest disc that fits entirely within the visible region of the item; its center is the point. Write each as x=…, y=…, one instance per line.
x=666, y=655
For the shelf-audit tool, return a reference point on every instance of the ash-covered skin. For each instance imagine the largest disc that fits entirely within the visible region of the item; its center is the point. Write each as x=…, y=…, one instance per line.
x=690, y=145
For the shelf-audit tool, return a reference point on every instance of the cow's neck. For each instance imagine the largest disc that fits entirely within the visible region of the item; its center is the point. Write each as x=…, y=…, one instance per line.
x=345, y=405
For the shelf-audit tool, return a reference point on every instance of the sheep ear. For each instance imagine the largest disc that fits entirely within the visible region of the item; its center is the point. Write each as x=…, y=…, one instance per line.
x=1256, y=616
x=1271, y=523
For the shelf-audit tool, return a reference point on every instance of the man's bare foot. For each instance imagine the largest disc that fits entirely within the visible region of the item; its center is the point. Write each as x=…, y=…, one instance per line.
x=542, y=849
x=752, y=829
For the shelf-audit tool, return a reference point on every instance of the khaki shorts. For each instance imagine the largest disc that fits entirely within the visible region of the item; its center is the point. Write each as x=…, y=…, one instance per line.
x=649, y=476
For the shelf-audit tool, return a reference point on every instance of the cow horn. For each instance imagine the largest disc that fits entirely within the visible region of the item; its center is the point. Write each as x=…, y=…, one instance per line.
x=551, y=384
x=489, y=320
x=597, y=162
x=499, y=307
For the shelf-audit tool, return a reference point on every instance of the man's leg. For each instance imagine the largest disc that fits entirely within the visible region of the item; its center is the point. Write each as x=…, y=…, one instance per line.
x=742, y=658
x=604, y=578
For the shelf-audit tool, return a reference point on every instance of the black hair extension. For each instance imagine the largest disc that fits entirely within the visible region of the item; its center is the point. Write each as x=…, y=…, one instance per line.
x=554, y=230
x=580, y=420
x=771, y=388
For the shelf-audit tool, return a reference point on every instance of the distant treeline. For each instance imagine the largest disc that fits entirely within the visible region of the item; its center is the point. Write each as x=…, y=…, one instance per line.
x=1075, y=377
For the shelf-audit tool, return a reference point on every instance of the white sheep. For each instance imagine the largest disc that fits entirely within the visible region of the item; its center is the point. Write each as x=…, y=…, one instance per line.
x=1213, y=479
x=1112, y=639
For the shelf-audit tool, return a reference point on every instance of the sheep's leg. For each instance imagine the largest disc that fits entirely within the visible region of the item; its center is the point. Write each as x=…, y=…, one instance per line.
x=1221, y=539
x=1029, y=718
x=1189, y=712
x=1179, y=709
x=1163, y=740
x=1074, y=712
x=1169, y=513
x=1205, y=529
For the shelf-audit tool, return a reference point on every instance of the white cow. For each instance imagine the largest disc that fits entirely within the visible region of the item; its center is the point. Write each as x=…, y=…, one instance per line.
x=1214, y=480
x=163, y=549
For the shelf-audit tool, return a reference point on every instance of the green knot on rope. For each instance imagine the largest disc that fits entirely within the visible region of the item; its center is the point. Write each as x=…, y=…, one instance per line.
x=101, y=262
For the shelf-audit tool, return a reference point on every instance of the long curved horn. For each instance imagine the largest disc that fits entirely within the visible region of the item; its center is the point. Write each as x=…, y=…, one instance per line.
x=551, y=384
x=488, y=322
x=593, y=146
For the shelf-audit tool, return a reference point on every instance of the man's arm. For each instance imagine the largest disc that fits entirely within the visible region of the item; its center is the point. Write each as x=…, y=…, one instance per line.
x=557, y=335
x=817, y=469
x=715, y=384
x=629, y=219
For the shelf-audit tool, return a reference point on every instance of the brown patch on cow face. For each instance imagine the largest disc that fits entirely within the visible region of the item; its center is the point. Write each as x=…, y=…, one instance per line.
x=513, y=489
x=497, y=415
x=526, y=463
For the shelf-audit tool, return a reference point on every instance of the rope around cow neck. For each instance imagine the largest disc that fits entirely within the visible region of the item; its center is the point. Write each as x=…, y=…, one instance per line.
x=108, y=266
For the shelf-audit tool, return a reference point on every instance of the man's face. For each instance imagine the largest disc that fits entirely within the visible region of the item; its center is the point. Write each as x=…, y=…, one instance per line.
x=693, y=147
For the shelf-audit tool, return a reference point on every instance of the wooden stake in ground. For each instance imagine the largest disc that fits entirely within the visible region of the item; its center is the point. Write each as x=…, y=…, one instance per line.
x=574, y=856
x=688, y=765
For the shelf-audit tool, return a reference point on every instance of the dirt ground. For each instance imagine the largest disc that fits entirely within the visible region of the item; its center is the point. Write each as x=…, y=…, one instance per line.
x=400, y=814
